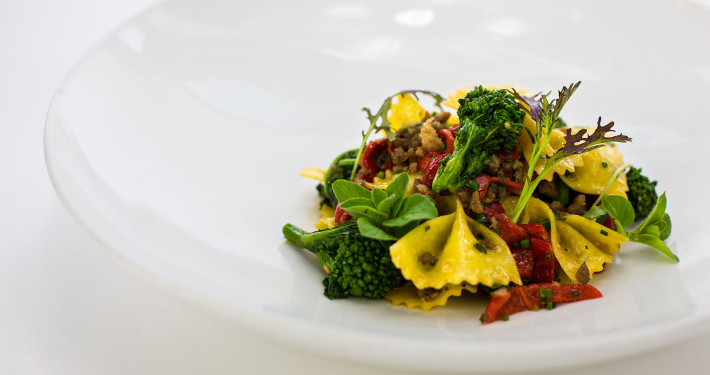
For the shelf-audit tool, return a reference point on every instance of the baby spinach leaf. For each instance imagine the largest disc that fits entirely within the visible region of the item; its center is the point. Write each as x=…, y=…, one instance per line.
x=620, y=209
x=378, y=195
x=369, y=229
x=345, y=190
x=414, y=208
x=655, y=242
x=384, y=214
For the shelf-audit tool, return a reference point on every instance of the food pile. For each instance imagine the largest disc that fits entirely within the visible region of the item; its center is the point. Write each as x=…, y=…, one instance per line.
x=500, y=198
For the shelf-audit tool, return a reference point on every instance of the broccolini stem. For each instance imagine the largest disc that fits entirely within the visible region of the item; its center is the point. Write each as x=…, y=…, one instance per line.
x=294, y=234
x=608, y=184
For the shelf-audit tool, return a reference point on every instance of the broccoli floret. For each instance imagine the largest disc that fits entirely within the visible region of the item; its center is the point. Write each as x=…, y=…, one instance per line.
x=491, y=120
x=356, y=265
x=340, y=168
x=642, y=192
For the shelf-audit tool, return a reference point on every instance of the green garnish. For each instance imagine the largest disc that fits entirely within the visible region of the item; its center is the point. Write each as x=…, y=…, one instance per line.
x=652, y=231
x=545, y=116
x=525, y=243
x=545, y=294
x=384, y=214
x=379, y=120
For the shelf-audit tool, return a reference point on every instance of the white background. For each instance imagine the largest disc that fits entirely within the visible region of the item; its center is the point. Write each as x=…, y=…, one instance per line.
x=66, y=307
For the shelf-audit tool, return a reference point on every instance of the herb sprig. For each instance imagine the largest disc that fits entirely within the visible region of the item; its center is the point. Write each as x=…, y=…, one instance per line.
x=652, y=231
x=384, y=214
x=546, y=114
x=379, y=120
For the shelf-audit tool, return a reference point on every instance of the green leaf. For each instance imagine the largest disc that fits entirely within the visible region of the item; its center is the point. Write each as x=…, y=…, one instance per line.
x=620, y=209
x=369, y=229
x=378, y=195
x=665, y=227
x=345, y=190
x=398, y=187
x=656, y=243
x=652, y=230
x=595, y=212
x=657, y=214
x=387, y=204
x=366, y=212
x=414, y=208
x=359, y=201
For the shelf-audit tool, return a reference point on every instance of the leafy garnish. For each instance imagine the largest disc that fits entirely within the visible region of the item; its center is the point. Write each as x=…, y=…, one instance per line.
x=546, y=115
x=384, y=214
x=379, y=120
x=652, y=231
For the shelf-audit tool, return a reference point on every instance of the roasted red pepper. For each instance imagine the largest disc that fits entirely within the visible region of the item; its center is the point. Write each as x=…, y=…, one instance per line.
x=425, y=161
x=507, y=301
x=509, y=231
x=367, y=159
x=450, y=138
x=483, y=180
x=431, y=170
x=341, y=215
x=544, y=270
x=536, y=231
x=525, y=261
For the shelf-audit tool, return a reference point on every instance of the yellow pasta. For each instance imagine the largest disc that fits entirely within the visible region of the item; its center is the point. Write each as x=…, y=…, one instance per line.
x=454, y=249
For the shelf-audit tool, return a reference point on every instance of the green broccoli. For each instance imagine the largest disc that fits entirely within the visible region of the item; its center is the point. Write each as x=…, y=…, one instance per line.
x=491, y=120
x=340, y=168
x=356, y=265
x=642, y=192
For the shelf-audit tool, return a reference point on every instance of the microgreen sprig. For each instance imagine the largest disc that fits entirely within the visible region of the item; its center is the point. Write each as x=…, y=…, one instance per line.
x=379, y=120
x=546, y=115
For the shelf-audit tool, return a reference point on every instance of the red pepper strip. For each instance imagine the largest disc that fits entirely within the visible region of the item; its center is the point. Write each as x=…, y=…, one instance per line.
x=509, y=231
x=536, y=231
x=431, y=170
x=514, y=156
x=367, y=159
x=450, y=138
x=544, y=270
x=528, y=297
x=455, y=128
x=483, y=180
x=609, y=222
x=425, y=160
x=513, y=185
x=525, y=261
x=341, y=215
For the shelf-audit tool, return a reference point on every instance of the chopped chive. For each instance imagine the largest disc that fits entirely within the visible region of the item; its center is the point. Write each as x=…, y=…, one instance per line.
x=484, y=317
x=550, y=305
x=575, y=293
x=473, y=185
x=546, y=224
x=480, y=248
x=504, y=317
x=480, y=236
x=603, y=232
x=545, y=294
x=480, y=218
x=525, y=243
x=605, y=164
x=548, y=256
x=426, y=228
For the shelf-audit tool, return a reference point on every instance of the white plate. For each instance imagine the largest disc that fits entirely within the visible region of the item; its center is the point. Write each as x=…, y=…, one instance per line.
x=177, y=142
